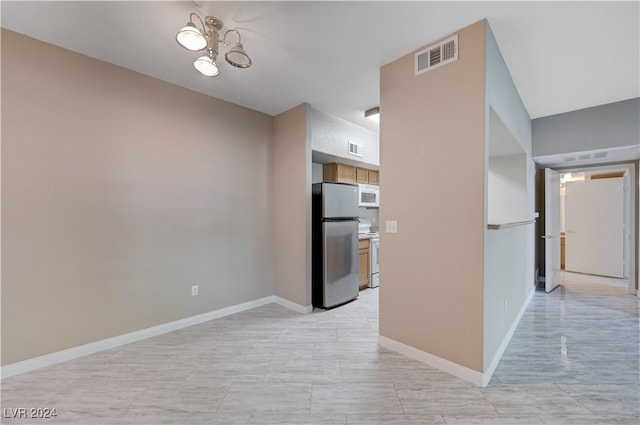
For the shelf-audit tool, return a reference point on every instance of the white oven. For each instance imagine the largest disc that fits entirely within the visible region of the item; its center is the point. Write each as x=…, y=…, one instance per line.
x=374, y=260
x=368, y=195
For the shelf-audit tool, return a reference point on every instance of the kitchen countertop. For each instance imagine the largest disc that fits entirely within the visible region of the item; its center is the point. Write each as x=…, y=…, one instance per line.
x=368, y=236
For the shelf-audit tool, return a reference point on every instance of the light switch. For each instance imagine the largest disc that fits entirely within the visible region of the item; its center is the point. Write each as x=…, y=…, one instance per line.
x=392, y=226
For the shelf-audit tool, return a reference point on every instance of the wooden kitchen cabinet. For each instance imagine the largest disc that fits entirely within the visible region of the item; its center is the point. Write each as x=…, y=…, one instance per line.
x=374, y=177
x=362, y=175
x=340, y=173
x=343, y=173
x=363, y=262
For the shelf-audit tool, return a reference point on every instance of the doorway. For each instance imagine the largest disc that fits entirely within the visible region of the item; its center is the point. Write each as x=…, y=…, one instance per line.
x=605, y=251
x=592, y=223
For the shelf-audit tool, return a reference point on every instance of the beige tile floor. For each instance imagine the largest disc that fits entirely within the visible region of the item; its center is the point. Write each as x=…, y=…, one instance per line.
x=573, y=360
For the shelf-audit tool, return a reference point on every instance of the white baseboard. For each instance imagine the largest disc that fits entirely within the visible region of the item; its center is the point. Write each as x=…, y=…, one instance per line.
x=463, y=372
x=480, y=379
x=105, y=344
x=507, y=338
x=303, y=309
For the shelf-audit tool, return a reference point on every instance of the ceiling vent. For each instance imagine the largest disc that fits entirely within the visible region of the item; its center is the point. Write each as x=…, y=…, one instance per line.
x=436, y=55
x=355, y=149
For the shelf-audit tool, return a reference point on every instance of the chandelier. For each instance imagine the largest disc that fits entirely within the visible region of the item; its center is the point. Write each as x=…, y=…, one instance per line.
x=207, y=38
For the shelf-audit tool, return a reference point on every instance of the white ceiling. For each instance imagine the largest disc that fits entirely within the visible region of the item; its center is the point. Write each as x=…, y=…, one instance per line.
x=562, y=56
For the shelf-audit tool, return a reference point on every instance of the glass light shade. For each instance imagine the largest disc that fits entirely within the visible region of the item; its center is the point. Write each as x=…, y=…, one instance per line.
x=191, y=38
x=206, y=66
x=237, y=57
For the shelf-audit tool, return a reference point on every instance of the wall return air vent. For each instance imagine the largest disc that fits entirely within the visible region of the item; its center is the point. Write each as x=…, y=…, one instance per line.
x=436, y=55
x=355, y=149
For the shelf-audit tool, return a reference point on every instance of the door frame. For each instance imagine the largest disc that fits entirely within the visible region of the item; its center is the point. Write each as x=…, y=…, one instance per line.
x=551, y=229
x=631, y=185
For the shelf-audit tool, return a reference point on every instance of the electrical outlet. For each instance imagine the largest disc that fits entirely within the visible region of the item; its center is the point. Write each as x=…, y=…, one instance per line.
x=392, y=226
x=194, y=290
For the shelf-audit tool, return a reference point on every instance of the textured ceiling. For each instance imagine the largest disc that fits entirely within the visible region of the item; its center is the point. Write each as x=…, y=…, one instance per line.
x=562, y=56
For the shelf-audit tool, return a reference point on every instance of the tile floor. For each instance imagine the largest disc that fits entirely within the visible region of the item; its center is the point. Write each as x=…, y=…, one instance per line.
x=573, y=360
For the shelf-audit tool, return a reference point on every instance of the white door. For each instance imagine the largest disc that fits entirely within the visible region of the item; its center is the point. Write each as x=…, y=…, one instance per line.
x=551, y=229
x=594, y=223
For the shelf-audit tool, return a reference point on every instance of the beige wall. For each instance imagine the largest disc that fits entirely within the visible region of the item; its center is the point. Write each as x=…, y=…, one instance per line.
x=432, y=159
x=292, y=205
x=120, y=192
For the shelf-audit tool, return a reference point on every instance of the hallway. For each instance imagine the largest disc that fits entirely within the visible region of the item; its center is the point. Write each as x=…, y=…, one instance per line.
x=575, y=351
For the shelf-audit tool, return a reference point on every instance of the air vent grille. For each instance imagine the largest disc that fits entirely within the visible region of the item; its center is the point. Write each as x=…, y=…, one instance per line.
x=448, y=50
x=434, y=56
x=355, y=149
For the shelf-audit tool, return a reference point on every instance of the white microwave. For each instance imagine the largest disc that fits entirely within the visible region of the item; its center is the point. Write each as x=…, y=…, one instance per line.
x=368, y=195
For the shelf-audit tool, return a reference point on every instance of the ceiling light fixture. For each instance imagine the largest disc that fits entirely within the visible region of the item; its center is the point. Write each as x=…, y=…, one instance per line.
x=373, y=113
x=207, y=38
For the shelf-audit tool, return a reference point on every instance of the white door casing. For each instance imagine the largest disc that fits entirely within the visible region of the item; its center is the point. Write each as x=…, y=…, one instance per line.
x=551, y=229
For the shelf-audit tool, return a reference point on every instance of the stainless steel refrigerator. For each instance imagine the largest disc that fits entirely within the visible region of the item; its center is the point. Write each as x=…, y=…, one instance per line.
x=334, y=244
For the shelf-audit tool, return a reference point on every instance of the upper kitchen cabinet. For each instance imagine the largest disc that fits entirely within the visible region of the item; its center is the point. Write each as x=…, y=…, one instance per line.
x=366, y=176
x=362, y=175
x=336, y=140
x=340, y=173
x=343, y=173
x=373, y=177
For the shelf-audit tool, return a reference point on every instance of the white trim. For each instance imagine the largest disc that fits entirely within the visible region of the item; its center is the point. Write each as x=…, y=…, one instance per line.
x=505, y=342
x=444, y=365
x=105, y=344
x=303, y=309
x=477, y=378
